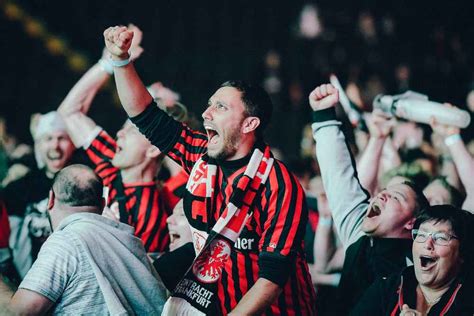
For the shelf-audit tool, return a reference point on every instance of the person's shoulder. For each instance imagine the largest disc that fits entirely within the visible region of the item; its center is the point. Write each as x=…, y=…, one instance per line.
x=281, y=170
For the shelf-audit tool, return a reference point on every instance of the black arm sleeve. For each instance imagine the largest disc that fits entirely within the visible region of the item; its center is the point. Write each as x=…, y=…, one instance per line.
x=172, y=266
x=275, y=267
x=162, y=130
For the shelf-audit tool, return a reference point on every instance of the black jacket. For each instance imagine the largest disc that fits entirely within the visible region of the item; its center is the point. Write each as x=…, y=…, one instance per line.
x=385, y=298
x=367, y=260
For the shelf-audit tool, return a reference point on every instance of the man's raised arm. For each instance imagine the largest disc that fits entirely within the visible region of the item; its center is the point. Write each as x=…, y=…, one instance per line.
x=75, y=106
x=347, y=199
x=131, y=90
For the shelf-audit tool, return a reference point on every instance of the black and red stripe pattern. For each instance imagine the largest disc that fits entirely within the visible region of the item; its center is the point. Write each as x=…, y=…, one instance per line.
x=271, y=243
x=144, y=203
x=4, y=226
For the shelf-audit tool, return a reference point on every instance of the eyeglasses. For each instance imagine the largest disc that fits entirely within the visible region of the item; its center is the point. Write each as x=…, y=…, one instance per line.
x=439, y=238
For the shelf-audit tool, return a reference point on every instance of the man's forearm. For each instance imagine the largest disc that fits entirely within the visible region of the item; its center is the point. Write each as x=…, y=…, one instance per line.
x=464, y=164
x=323, y=244
x=369, y=162
x=347, y=199
x=81, y=95
x=132, y=92
x=260, y=296
x=6, y=292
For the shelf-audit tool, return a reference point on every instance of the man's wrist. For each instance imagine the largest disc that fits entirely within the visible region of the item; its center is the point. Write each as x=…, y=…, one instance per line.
x=123, y=56
x=452, y=139
x=325, y=221
x=119, y=63
x=106, y=66
x=378, y=138
x=324, y=115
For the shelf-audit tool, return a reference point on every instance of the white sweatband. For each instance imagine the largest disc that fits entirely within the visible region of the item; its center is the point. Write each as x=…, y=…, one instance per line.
x=452, y=139
x=325, y=221
x=106, y=66
x=90, y=137
x=119, y=63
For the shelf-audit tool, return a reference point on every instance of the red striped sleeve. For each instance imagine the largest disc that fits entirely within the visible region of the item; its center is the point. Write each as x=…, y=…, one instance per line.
x=4, y=226
x=101, y=152
x=191, y=145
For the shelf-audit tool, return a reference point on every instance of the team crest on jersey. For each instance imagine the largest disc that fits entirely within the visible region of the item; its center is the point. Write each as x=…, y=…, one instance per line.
x=208, y=266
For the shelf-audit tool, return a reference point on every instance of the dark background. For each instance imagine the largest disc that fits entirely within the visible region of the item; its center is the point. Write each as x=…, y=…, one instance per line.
x=194, y=46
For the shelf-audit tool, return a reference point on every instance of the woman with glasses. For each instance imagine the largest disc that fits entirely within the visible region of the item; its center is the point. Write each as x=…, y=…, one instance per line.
x=441, y=280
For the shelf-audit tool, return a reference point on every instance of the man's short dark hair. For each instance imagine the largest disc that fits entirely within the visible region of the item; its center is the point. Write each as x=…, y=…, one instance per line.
x=257, y=102
x=78, y=185
x=461, y=224
x=421, y=202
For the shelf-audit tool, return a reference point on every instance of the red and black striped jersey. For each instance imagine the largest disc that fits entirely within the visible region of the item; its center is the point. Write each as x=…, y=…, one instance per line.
x=271, y=243
x=4, y=226
x=143, y=201
x=174, y=188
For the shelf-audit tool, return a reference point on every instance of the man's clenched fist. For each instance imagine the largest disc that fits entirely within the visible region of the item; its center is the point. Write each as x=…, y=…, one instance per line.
x=323, y=97
x=118, y=40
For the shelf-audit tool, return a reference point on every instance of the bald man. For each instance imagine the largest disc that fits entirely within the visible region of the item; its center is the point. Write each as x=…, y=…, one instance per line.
x=90, y=264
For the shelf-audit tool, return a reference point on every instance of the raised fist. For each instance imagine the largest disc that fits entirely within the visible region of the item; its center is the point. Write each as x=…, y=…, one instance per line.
x=323, y=97
x=118, y=40
x=379, y=124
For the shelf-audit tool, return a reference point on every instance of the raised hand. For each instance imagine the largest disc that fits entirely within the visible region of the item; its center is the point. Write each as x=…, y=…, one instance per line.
x=167, y=96
x=379, y=124
x=323, y=97
x=118, y=41
x=444, y=130
x=135, y=49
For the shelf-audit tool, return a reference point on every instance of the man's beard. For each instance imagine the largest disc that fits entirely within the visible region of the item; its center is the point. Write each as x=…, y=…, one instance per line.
x=229, y=147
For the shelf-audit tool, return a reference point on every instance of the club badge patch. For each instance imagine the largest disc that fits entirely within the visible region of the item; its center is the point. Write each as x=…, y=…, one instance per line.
x=208, y=267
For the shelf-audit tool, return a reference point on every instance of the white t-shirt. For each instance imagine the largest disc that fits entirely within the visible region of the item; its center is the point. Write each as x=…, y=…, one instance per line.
x=63, y=274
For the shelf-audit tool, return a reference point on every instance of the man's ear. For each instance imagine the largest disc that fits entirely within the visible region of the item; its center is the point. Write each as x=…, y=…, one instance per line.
x=152, y=152
x=250, y=124
x=51, y=200
x=410, y=224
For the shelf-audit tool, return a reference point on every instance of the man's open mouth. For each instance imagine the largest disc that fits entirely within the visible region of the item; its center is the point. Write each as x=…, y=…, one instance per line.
x=54, y=155
x=212, y=135
x=374, y=210
x=174, y=237
x=427, y=262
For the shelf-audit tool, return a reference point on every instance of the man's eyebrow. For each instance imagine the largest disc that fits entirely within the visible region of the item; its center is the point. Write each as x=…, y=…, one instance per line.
x=401, y=194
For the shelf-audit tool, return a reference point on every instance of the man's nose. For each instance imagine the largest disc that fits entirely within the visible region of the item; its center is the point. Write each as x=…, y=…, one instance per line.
x=207, y=114
x=383, y=196
x=54, y=143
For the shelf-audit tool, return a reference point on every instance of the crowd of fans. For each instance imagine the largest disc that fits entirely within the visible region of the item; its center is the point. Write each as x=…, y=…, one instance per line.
x=369, y=219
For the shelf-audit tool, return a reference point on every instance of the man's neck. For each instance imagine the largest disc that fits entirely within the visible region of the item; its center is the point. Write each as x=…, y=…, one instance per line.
x=244, y=148
x=139, y=174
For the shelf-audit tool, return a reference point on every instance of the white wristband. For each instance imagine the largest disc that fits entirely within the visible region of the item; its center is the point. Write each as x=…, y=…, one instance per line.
x=106, y=66
x=325, y=221
x=119, y=63
x=452, y=139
